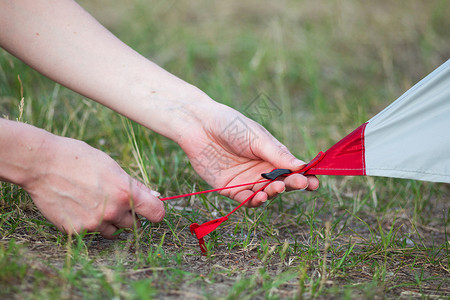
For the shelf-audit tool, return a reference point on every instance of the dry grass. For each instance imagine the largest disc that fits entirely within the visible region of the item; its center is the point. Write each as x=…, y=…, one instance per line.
x=330, y=66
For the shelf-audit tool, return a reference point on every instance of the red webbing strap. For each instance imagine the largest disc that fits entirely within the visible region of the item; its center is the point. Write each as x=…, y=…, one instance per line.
x=213, y=190
x=206, y=228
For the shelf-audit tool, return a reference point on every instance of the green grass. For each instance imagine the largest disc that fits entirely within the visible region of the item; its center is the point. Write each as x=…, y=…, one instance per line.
x=328, y=66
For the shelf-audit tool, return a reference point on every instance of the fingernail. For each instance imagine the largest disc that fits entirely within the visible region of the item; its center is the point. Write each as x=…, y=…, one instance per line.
x=307, y=184
x=284, y=190
x=155, y=193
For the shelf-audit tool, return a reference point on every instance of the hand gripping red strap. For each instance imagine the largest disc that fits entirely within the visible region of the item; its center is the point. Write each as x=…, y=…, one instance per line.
x=206, y=228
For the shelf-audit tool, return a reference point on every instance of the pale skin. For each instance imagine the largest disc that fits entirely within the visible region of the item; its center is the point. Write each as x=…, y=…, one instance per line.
x=77, y=187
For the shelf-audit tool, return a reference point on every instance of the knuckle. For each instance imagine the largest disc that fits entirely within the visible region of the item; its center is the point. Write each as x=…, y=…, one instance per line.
x=72, y=227
x=283, y=150
x=110, y=214
x=90, y=225
x=106, y=210
x=138, y=183
x=122, y=195
x=123, y=190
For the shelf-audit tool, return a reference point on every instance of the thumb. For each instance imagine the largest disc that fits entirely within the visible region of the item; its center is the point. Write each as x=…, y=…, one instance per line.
x=146, y=202
x=274, y=152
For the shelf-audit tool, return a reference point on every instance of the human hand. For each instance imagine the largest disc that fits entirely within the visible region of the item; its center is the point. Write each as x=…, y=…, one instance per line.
x=77, y=187
x=106, y=70
x=229, y=149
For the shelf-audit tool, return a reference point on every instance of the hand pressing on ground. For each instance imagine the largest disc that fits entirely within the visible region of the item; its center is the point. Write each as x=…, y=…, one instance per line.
x=75, y=186
x=229, y=149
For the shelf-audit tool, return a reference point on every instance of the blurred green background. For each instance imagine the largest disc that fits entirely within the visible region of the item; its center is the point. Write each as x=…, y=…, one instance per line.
x=321, y=68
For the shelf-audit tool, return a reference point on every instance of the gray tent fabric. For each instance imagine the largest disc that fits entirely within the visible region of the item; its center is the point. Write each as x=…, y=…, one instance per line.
x=411, y=137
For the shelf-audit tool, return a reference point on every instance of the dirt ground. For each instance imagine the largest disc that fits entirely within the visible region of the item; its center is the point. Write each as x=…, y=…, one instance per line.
x=221, y=272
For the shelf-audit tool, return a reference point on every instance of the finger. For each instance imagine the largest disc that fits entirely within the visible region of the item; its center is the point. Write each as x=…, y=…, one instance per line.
x=271, y=150
x=313, y=183
x=275, y=188
x=108, y=231
x=296, y=182
x=129, y=220
x=271, y=191
x=146, y=203
x=257, y=200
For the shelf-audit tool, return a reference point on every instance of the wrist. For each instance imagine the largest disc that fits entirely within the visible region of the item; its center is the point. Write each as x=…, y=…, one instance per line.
x=196, y=114
x=22, y=153
x=174, y=112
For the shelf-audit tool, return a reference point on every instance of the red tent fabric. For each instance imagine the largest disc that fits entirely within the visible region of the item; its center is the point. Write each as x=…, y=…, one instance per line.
x=408, y=139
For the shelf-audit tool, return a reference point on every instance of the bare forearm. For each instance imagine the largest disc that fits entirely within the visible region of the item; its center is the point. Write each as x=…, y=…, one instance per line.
x=62, y=41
